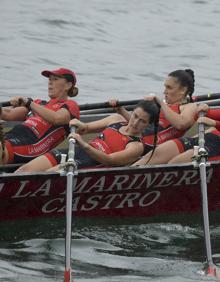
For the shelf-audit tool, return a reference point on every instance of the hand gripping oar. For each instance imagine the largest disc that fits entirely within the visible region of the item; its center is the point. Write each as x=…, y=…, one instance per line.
x=105, y=108
x=211, y=268
x=71, y=166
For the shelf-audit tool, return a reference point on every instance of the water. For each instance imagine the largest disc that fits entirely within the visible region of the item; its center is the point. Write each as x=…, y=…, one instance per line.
x=120, y=49
x=128, y=252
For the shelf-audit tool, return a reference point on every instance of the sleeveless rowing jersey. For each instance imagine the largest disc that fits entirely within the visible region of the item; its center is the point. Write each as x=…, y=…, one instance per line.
x=35, y=136
x=40, y=127
x=166, y=131
x=111, y=140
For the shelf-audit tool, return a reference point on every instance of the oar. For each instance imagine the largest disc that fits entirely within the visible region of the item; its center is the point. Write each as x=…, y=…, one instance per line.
x=205, y=97
x=108, y=110
x=211, y=268
x=5, y=104
x=103, y=111
x=69, y=197
x=93, y=106
x=103, y=105
x=212, y=103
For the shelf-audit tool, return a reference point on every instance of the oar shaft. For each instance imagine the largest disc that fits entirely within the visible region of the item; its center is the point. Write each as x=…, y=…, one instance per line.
x=104, y=111
x=201, y=133
x=105, y=105
x=69, y=218
x=69, y=200
x=209, y=96
x=5, y=104
x=205, y=210
x=215, y=103
x=202, y=167
x=212, y=103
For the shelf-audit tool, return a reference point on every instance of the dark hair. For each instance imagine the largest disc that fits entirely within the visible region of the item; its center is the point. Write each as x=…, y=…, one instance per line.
x=73, y=91
x=153, y=109
x=185, y=78
x=150, y=107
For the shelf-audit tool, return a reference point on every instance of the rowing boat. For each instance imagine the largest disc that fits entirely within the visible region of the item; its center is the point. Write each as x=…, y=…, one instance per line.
x=144, y=192
x=133, y=192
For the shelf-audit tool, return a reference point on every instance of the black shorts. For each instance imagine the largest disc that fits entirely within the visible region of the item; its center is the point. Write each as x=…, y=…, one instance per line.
x=23, y=145
x=212, y=143
x=19, y=142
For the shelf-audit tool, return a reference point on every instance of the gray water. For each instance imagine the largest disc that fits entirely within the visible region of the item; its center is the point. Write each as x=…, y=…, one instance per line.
x=159, y=252
x=119, y=49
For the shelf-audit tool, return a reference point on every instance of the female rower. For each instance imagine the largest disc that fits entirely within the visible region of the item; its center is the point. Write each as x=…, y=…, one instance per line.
x=182, y=149
x=212, y=138
x=176, y=116
x=119, y=143
x=45, y=123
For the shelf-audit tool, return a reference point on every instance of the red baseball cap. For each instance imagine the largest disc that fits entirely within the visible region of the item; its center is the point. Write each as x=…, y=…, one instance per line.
x=66, y=73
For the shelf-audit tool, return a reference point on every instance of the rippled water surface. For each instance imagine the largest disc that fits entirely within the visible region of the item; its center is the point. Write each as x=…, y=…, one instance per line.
x=125, y=252
x=120, y=49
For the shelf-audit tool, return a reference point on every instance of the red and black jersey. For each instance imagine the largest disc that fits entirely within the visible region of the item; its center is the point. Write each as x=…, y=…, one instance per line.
x=39, y=126
x=35, y=136
x=166, y=130
x=111, y=140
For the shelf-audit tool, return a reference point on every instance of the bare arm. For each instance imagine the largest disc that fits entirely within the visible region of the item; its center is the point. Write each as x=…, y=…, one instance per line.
x=124, y=157
x=14, y=114
x=124, y=113
x=209, y=122
x=181, y=121
x=212, y=116
x=120, y=110
x=60, y=117
x=95, y=126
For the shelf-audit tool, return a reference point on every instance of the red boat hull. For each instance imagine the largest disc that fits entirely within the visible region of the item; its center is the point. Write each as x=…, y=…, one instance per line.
x=116, y=192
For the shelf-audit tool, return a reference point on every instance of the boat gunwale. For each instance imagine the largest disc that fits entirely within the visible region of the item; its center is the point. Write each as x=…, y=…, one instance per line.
x=108, y=170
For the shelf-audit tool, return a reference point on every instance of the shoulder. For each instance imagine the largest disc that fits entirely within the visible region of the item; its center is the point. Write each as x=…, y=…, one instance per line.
x=72, y=107
x=71, y=103
x=188, y=107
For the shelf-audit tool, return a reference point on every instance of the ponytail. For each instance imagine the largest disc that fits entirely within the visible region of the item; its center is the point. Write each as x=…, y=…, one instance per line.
x=73, y=91
x=156, y=126
x=186, y=79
